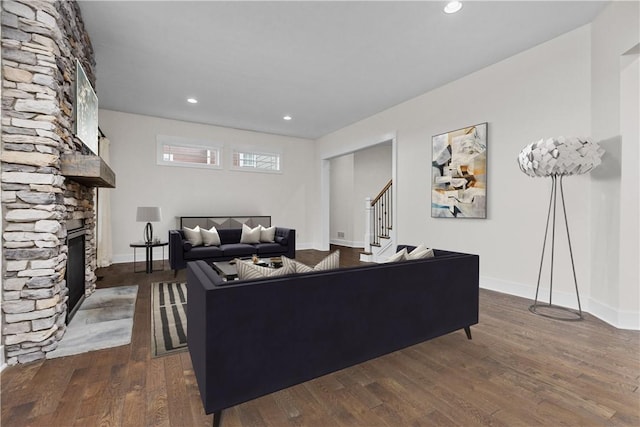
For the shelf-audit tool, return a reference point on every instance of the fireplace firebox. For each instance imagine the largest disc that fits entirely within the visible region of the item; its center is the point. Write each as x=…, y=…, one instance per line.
x=75, y=273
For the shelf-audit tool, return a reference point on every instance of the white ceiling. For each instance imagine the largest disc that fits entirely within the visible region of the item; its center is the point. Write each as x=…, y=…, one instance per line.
x=327, y=64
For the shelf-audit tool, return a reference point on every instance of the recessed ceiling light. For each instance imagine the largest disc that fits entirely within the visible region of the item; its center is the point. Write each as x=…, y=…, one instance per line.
x=192, y=100
x=452, y=7
x=287, y=118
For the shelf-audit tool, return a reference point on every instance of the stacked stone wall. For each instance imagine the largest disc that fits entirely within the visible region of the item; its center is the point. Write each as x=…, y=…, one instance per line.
x=41, y=40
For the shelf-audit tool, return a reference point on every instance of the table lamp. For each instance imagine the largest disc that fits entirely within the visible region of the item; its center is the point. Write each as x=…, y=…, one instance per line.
x=148, y=214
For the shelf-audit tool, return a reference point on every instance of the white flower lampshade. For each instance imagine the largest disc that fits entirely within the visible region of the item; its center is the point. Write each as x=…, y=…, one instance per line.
x=560, y=156
x=555, y=158
x=148, y=214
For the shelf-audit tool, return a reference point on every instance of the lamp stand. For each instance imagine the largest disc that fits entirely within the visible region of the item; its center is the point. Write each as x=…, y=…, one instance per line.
x=148, y=233
x=550, y=310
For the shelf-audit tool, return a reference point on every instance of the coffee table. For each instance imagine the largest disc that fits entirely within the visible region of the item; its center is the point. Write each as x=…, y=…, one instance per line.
x=228, y=270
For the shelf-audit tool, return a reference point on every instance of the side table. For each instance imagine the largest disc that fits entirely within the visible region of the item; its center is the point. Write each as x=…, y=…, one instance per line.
x=149, y=254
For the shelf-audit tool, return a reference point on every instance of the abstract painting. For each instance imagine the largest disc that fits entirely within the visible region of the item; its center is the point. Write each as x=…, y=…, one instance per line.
x=459, y=173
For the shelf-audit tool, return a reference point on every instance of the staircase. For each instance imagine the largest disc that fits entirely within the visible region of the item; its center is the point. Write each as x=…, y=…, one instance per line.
x=379, y=234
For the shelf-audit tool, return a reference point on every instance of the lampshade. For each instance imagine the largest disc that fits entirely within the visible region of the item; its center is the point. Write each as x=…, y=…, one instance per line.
x=148, y=214
x=560, y=156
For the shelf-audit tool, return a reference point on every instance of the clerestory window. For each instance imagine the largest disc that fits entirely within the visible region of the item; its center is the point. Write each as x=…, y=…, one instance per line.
x=175, y=151
x=256, y=161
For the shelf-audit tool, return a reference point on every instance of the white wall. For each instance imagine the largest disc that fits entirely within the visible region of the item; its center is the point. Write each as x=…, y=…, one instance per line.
x=542, y=92
x=2, y=364
x=354, y=177
x=342, y=200
x=629, y=299
x=614, y=185
x=183, y=191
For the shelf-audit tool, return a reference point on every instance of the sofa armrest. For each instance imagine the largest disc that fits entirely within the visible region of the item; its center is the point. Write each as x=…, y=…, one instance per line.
x=288, y=235
x=176, y=250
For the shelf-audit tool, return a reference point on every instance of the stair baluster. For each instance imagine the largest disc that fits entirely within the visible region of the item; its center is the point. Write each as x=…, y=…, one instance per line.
x=382, y=220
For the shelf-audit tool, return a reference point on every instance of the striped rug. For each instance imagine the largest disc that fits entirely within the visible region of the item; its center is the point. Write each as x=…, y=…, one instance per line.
x=168, y=317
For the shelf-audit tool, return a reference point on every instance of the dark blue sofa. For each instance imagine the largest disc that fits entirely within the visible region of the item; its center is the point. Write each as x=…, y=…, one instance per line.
x=251, y=338
x=181, y=251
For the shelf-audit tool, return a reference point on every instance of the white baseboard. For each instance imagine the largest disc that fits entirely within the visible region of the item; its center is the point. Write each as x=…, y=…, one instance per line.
x=507, y=287
x=120, y=259
x=303, y=246
x=157, y=255
x=564, y=299
x=619, y=319
x=366, y=257
x=622, y=319
x=347, y=243
x=140, y=255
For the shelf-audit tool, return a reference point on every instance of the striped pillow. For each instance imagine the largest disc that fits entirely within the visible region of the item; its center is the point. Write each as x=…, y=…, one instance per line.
x=247, y=270
x=401, y=255
x=420, y=254
x=330, y=262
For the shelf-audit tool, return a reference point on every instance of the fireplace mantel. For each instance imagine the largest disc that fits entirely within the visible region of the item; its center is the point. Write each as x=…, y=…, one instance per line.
x=89, y=170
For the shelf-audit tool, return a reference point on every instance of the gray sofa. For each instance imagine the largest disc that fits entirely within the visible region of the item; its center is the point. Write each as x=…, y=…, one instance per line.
x=182, y=251
x=251, y=338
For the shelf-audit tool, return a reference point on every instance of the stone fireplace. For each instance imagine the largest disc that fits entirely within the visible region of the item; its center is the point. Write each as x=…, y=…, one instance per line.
x=40, y=44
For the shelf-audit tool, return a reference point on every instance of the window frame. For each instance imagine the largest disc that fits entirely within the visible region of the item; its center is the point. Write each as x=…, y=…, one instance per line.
x=255, y=151
x=162, y=140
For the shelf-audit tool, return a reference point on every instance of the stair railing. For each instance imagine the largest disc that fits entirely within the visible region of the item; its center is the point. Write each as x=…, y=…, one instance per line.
x=381, y=215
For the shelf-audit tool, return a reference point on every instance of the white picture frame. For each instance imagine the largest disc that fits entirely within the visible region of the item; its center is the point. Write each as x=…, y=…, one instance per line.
x=86, y=110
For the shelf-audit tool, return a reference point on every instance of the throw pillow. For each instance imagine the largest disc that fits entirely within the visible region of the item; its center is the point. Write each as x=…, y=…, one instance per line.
x=247, y=270
x=300, y=267
x=401, y=255
x=330, y=262
x=250, y=235
x=267, y=235
x=210, y=237
x=415, y=254
x=421, y=247
x=193, y=235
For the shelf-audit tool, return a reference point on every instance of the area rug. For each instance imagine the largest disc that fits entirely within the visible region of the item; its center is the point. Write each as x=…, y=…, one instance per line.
x=168, y=318
x=104, y=320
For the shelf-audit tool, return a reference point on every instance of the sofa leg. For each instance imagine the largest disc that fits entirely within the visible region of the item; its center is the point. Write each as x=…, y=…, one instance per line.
x=175, y=273
x=217, y=417
x=467, y=330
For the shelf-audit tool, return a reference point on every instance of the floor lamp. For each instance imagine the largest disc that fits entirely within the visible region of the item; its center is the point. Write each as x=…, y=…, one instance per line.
x=557, y=158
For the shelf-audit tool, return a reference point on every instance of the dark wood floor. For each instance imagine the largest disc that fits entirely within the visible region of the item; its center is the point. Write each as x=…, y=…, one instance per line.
x=519, y=369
